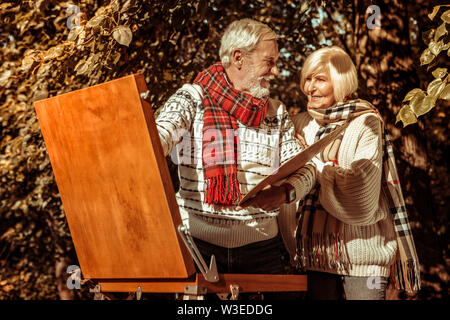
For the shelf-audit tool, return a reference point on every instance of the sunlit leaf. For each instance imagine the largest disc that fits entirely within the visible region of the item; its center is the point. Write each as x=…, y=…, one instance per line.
x=123, y=35
x=433, y=14
x=439, y=73
x=424, y=105
x=53, y=52
x=74, y=33
x=417, y=99
x=436, y=47
x=445, y=94
x=96, y=21
x=406, y=116
x=446, y=16
x=435, y=87
x=440, y=32
x=82, y=67
x=412, y=93
x=426, y=57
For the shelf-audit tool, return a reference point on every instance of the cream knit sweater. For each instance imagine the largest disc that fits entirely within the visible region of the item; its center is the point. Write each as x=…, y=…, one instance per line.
x=262, y=150
x=351, y=192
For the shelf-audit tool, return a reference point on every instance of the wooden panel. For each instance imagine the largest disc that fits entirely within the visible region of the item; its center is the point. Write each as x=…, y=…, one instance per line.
x=246, y=283
x=114, y=182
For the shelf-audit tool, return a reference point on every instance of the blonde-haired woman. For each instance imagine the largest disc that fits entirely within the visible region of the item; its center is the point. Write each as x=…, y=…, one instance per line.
x=353, y=232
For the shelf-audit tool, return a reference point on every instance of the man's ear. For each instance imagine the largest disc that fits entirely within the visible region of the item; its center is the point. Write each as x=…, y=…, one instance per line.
x=237, y=58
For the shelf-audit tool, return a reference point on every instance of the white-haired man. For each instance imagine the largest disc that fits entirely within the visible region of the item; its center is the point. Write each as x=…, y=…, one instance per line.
x=228, y=136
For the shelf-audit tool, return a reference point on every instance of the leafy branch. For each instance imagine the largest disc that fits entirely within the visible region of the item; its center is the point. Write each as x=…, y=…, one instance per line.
x=418, y=102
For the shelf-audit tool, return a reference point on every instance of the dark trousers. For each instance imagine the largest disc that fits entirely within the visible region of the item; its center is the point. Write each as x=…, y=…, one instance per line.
x=264, y=257
x=328, y=286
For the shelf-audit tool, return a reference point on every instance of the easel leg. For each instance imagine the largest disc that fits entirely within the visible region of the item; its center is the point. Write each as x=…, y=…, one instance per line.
x=194, y=292
x=98, y=295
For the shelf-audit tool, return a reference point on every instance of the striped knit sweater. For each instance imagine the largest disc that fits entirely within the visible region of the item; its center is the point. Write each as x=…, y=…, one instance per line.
x=262, y=149
x=351, y=192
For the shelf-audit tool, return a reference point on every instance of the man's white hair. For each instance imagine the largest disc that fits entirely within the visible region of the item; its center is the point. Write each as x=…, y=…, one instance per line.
x=243, y=35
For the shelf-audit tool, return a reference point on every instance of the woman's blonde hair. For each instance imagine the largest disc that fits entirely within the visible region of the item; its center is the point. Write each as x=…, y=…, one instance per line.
x=243, y=35
x=339, y=66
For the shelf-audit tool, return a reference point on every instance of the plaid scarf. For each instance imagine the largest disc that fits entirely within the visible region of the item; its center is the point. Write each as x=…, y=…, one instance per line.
x=320, y=236
x=224, y=106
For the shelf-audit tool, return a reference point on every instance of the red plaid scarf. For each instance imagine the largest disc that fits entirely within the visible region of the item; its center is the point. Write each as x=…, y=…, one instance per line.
x=224, y=106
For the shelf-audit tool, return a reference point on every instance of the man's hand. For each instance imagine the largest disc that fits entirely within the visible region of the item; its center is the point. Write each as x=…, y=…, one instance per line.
x=269, y=198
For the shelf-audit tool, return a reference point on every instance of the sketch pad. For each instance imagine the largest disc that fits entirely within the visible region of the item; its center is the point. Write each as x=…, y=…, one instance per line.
x=295, y=163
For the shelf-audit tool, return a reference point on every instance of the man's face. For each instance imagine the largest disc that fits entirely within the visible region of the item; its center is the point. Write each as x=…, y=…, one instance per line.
x=259, y=68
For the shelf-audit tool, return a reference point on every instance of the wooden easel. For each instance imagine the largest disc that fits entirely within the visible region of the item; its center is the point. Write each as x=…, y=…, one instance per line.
x=118, y=196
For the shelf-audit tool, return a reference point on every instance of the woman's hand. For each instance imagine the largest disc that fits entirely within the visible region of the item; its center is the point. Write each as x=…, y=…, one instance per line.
x=300, y=140
x=320, y=164
x=268, y=199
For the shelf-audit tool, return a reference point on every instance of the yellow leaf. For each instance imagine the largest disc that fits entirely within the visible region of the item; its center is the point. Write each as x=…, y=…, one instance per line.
x=123, y=35
x=53, y=53
x=435, y=87
x=411, y=94
x=440, y=32
x=433, y=14
x=406, y=115
x=417, y=99
x=445, y=94
x=426, y=57
x=424, y=106
x=446, y=16
x=436, y=47
x=439, y=73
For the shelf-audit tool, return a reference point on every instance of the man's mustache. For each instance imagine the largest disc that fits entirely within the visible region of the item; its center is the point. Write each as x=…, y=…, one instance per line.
x=267, y=78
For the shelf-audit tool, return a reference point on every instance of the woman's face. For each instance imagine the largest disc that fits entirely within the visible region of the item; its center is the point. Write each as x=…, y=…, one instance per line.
x=319, y=91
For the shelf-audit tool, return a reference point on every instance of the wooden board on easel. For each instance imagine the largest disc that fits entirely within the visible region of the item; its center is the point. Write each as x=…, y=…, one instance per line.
x=114, y=182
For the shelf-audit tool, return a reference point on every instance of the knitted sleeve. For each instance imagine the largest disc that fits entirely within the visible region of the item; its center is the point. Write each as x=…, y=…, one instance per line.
x=174, y=119
x=304, y=178
x=352, y=195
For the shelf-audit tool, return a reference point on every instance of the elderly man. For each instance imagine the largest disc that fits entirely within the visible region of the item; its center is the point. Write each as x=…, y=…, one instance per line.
x=226, y=135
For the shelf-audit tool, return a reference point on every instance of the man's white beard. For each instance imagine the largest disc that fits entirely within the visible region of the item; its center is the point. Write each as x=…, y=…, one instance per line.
x=255, y=87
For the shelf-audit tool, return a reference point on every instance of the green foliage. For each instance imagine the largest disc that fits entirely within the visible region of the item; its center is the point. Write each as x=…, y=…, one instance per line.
x=418, y=102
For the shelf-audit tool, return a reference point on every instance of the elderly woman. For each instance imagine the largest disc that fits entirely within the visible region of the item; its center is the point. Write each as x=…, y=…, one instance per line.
x=353, y=231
